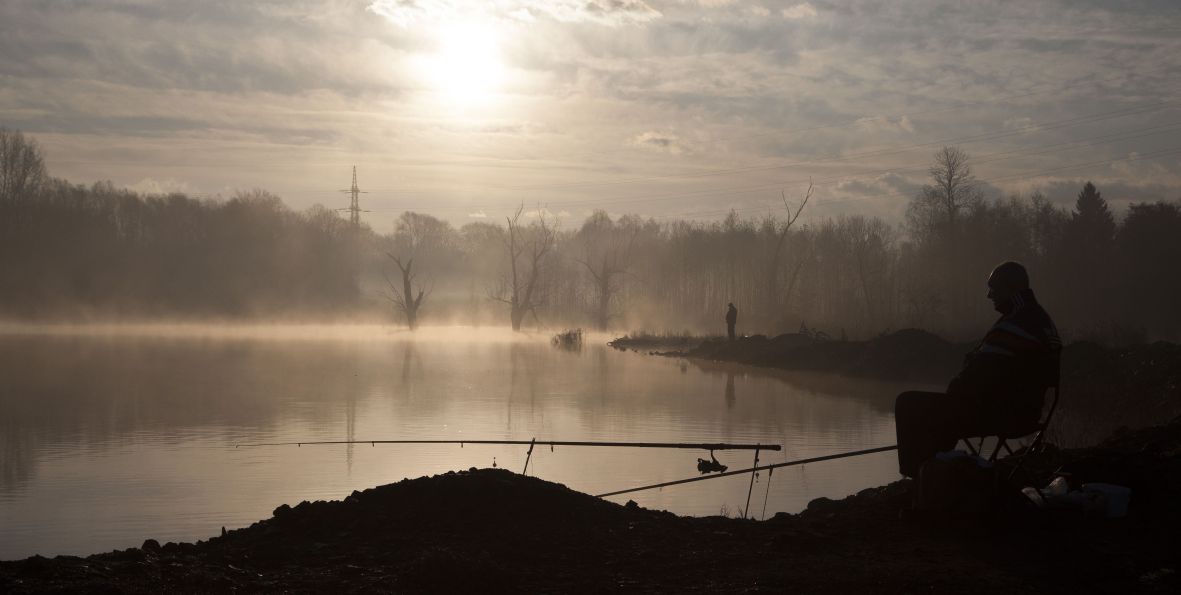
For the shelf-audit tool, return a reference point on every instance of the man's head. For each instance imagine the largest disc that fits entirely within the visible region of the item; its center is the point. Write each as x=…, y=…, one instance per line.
x=1006, y=280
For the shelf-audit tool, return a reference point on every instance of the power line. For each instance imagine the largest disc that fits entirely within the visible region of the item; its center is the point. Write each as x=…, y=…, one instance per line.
x=1047, y=126
x=1054, y=125
x=856, y=121
x=1037, y=127
x=996, y=157
x=1022, y=176
x=851, y=122
x=825, y=181
x=988, y=158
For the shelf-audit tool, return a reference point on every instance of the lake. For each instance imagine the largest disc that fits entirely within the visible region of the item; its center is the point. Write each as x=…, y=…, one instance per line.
x=113, y=434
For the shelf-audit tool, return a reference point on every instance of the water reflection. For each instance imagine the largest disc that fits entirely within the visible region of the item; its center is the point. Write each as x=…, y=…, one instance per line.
x=876, y=394
x=107, y=440
x=411, y=364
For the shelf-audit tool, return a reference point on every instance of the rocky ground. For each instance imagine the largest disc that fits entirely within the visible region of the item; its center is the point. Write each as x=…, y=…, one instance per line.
x=491, y=530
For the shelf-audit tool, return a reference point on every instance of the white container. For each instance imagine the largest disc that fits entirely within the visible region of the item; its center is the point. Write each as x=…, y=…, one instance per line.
x=1116, y=496
x=1057, y=488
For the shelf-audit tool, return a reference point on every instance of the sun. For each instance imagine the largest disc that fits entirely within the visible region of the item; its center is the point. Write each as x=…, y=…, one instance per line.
x=466, y=66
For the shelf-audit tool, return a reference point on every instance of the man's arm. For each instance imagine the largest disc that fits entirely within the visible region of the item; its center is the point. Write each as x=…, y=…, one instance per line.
x=999, y=363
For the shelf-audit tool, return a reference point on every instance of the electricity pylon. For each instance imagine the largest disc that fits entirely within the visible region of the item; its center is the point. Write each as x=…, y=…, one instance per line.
x=354, y=207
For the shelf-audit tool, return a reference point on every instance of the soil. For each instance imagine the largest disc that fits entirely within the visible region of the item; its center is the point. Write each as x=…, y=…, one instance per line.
x=490, y=530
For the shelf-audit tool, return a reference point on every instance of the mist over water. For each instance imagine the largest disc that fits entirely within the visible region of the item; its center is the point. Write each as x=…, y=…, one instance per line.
x=112, y=435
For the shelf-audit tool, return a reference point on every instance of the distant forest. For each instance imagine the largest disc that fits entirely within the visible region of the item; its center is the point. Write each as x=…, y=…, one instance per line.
x=76, y=252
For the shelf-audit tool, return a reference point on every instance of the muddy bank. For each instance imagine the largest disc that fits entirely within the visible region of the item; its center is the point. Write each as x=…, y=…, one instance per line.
x=642, y=341
x=495, y=531
x=1103, y=388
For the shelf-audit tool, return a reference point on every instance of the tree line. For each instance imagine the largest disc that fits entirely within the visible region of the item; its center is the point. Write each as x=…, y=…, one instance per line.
x=71, y=250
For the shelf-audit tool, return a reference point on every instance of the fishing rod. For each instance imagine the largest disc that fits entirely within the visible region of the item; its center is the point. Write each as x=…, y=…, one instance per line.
x=752, y=470
x=550, y=443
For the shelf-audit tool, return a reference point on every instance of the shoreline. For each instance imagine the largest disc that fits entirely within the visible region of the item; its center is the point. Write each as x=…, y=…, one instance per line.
x=1103, y=388
x=906, y=355
x=491, y=530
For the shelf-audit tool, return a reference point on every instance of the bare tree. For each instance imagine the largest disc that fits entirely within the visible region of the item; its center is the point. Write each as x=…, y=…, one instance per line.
x=936, y=210
x=937, y=218
x=404, y=297
x=606, y=256
x=22, y=168
x=527, y=248
x=871, y=239
x=775, y=256
x=416, y=236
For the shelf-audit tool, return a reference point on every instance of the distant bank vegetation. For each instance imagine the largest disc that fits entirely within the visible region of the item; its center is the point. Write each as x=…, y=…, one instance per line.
x=72, y=251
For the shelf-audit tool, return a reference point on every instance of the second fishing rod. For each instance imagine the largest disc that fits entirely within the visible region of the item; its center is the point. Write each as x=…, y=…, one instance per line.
x=711, y=465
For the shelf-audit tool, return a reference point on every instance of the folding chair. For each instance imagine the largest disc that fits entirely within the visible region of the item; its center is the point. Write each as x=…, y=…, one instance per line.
x=1016, y=432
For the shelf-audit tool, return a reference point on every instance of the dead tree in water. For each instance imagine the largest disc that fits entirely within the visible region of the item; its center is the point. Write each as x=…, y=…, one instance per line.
x=607, y=253
x=527, y=248
x=775, y=257
x=417, y=239
x=404, y=298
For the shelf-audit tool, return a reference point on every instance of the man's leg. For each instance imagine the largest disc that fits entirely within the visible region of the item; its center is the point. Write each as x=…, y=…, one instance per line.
x=927, y=423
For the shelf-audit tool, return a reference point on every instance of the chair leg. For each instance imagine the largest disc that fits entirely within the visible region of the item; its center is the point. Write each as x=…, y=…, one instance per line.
x=1037, y=440
x=971, y=449
x=1032, y=445
x=1000, y=443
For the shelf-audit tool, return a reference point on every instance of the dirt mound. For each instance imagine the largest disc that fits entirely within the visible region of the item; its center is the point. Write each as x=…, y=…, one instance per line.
x=491, y=530
x=1105, y=388
x=474, y=502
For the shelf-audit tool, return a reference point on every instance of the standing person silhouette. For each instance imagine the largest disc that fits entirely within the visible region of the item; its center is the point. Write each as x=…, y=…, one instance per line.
x=731, y=320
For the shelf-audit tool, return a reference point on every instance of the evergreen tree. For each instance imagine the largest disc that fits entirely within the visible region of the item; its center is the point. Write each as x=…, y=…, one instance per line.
x=1092, y=223
x=1088, y=250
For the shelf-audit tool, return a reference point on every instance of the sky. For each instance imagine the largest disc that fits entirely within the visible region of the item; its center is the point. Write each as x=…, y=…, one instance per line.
x=465, y=109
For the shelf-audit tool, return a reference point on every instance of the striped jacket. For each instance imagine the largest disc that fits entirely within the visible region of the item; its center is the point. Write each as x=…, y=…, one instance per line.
x=1015, y=362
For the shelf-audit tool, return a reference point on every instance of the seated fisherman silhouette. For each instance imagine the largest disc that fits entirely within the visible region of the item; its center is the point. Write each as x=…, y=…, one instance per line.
x=1001, y=385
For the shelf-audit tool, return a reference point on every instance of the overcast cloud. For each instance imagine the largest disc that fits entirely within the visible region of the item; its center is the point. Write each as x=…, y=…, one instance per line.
x=679, y=108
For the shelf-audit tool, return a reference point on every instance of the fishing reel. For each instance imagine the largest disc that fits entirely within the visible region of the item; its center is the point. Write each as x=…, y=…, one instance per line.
x=710, y=466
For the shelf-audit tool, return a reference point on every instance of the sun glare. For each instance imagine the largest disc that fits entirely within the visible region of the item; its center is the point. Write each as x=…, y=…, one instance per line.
x=466, y=66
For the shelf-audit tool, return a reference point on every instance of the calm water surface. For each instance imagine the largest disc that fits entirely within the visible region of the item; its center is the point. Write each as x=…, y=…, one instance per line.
x=112, y=435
